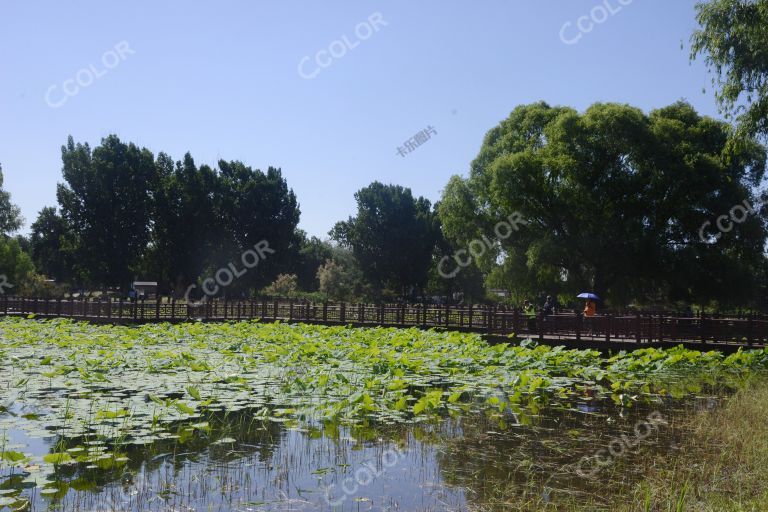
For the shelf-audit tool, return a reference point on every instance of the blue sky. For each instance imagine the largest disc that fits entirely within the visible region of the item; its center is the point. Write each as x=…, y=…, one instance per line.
x=222, y=80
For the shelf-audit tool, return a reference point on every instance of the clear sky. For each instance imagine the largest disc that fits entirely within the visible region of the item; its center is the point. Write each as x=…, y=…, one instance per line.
x=222, y=80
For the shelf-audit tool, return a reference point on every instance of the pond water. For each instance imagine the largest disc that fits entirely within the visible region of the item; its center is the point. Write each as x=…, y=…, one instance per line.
x=571, y=450
x=250, y=416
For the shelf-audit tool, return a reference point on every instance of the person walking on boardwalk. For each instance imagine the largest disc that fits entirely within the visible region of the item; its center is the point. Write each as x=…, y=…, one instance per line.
x=529, y=310
x=549, y=306
x=590, y=309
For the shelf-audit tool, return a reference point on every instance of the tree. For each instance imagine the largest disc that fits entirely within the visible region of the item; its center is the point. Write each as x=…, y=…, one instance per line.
x=256, y=207
x=186, y=226
x=106, y=202
x=10, y=215
x=286, y=285
x=48, y=244
x=312, y=254
x=734, y=40
x=392, y=237
x=614, y=201
x=16, y=268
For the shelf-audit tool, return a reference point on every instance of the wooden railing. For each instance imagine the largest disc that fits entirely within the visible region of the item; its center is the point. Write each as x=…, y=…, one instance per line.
x=638, y=328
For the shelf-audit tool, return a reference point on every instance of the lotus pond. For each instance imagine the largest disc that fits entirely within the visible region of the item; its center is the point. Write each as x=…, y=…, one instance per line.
x=252, y=416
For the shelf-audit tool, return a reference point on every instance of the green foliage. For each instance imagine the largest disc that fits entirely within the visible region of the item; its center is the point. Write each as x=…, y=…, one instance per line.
x=124, y=214
x=10, y=215
x=48, y=243
x=286, y=285
x=393, y=237
x=734, y=40
x=106, y=204
x=614, y=202
x=15, y=266
x=341, y=279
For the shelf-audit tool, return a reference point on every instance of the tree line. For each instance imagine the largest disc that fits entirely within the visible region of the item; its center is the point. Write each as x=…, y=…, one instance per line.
x=663, y=207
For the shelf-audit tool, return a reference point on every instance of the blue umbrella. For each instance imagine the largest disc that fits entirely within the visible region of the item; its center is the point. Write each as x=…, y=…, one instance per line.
x=590, y=296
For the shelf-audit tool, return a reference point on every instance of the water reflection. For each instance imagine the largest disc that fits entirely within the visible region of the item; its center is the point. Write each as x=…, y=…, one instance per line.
x=480, y=461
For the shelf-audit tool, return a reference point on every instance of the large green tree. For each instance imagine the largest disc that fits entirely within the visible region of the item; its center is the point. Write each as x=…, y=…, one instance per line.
x=392, y=237
x=48, y=245
x=106, y=201
x=733, y=38
x=614, y=201
x=185, y=224
x=256, y=207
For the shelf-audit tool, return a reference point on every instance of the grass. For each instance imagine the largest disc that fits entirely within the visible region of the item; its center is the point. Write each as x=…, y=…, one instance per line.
x=722, y=465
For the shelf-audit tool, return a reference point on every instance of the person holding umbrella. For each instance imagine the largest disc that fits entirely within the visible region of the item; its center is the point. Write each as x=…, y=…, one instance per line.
x=590, y=308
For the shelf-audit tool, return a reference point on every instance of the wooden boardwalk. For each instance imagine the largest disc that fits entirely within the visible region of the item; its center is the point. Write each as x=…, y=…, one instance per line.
x=617, y=331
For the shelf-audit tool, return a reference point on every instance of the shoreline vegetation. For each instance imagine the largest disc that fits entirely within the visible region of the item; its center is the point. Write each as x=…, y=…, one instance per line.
x=719, y=465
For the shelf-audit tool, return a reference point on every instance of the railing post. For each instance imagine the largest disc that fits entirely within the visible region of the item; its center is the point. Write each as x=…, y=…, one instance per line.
x=325, y=311
x=360, y=312
x=516, y=321
x=157, y=309
x=540, y=320
x=290, y=310
x=173, y=309
x=638, y=329
x=471, y=312
x=608, y=326
x=402, y=314
x=749, y=330
x=275, y=309
x=504, y=321
x=424, y=315
x=578, y=326
x=343, y=312
x=661, y=328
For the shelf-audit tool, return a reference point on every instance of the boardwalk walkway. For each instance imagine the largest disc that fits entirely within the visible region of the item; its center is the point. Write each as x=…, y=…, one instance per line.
x=614, y=330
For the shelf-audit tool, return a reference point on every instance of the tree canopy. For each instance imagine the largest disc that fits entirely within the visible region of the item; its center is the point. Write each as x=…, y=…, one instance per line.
x=733, y=38
x=392, y=237
x=124, y=214
x=614, y=202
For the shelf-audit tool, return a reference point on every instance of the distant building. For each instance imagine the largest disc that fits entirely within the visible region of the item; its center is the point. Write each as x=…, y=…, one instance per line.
x=145, y=289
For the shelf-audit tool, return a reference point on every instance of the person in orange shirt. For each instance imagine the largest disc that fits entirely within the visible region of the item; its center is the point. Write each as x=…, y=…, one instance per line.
x=590, y=308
